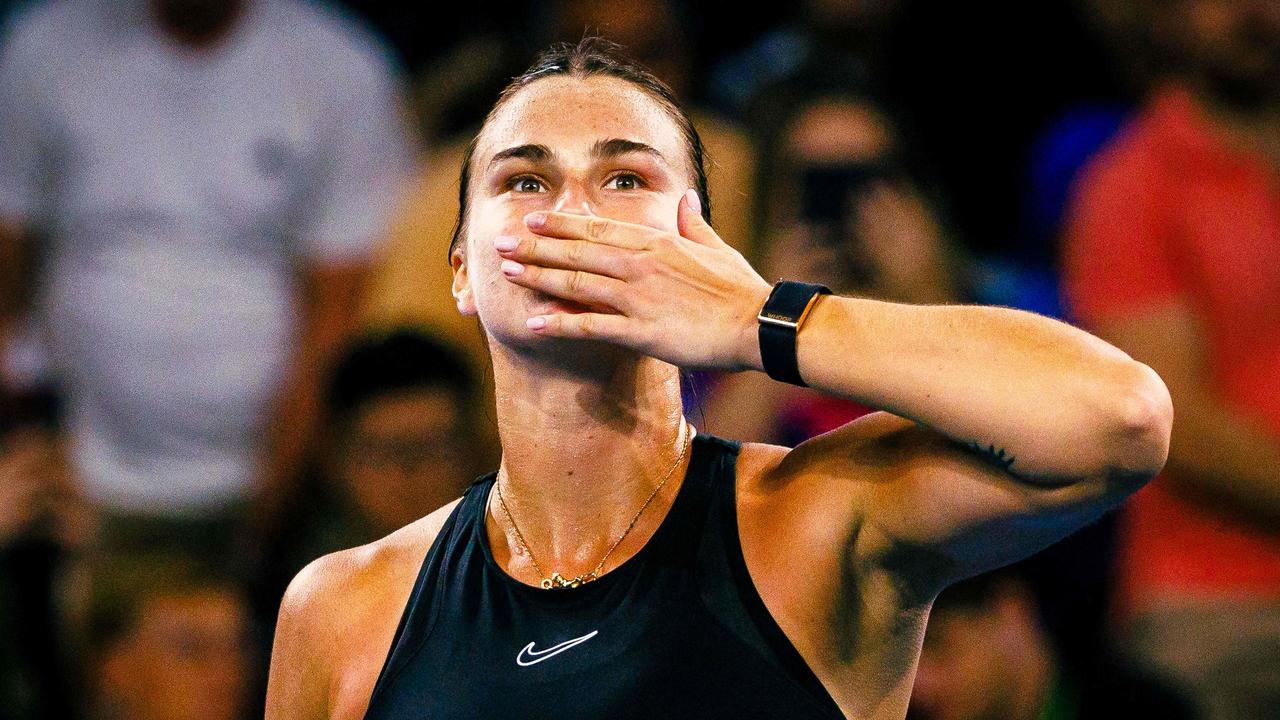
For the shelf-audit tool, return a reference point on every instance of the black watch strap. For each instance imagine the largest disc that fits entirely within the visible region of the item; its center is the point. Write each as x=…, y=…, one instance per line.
x=780, y=319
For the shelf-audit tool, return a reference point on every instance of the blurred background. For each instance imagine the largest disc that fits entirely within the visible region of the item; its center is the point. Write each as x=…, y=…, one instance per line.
x=227, y=343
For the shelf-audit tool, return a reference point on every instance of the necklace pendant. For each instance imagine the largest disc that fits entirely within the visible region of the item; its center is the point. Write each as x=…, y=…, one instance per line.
x=558, y=581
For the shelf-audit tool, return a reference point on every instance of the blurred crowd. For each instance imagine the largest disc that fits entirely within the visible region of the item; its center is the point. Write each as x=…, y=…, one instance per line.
x=228, y=346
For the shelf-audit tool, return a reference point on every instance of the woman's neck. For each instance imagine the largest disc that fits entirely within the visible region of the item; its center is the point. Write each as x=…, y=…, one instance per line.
x=582, y=448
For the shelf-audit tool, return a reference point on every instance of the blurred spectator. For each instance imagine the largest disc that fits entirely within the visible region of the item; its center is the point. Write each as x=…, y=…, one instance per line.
x=400, y=441
x=192, y=187
x=1058, y=150
x=39, y=530
x=987, y=656
x=170, y=643
x=402, y=421
x=1173, y=254
x=1055, y=159
x=843, y=206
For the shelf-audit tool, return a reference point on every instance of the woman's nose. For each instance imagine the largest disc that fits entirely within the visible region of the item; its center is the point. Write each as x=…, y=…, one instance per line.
x=573, y=198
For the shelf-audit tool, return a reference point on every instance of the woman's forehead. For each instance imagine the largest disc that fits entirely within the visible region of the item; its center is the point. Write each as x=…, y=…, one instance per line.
x=571, y=115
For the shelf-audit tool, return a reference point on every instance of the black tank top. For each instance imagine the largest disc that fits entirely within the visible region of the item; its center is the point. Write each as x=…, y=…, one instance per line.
x=677, y=631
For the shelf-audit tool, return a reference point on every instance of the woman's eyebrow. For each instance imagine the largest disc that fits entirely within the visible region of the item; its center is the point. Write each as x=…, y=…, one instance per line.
x=614, y=147
x=602, y=149
x=532, y=153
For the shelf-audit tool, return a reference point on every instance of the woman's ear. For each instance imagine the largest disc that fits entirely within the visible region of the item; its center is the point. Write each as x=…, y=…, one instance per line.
x=462, y=285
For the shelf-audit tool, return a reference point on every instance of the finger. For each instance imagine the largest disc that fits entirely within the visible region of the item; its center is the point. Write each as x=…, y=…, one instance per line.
x=567, y=254
x=586, y=326
x=691, y=223
x=584, y=287
x=573, y=226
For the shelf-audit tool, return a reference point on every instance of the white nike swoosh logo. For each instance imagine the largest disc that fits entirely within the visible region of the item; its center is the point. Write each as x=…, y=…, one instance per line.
x=536, y=656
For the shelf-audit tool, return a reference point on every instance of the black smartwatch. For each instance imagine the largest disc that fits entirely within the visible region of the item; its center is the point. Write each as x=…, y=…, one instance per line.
x=780, y=319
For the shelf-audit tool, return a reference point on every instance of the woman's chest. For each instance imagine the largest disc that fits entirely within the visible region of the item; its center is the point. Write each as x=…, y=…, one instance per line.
x=671, y=658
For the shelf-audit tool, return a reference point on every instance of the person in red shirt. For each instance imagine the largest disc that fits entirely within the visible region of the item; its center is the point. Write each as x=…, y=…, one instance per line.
x=1172, y=253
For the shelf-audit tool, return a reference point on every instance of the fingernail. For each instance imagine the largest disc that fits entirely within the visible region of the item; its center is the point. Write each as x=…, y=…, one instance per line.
x=536, y=323
x=535, y=220
x=510, y=267
x=695, y=202
x=505, y=242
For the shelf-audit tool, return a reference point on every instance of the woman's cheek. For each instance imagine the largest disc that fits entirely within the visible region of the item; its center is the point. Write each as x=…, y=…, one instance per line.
x=517, y=205
x=493, y=218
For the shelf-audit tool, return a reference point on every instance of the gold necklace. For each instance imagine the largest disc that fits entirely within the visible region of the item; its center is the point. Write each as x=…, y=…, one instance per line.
x=555, y=579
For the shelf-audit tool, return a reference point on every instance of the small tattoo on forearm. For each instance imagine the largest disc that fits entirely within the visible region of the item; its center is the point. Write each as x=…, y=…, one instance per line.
x=991, y=454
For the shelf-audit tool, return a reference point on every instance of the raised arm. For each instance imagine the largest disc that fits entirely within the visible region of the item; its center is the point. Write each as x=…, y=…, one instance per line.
x=1021, y=429
x=327, y=312
x=1009, y=430
x=1043, y=400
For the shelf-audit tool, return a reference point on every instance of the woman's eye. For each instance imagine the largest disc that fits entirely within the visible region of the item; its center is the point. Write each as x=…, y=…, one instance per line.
x=625, y=181
x=527, y=185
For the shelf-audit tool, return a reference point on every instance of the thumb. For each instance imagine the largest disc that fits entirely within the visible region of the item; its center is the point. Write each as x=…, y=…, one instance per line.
x=690, y=222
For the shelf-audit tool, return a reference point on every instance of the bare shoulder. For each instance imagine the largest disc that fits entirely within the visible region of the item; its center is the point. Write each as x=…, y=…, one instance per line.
x=364, y=575
x=337, y=620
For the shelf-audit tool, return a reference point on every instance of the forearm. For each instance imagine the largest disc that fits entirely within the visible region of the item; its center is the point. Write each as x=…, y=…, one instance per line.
x=294, y=422
x=1059, y=403
x=327, y=316
x=1224, y=460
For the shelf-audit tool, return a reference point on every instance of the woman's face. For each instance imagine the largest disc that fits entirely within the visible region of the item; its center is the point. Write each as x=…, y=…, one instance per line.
x=595, y=146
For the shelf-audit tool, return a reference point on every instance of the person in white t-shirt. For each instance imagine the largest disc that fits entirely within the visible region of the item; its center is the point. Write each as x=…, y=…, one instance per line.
x=203, y=184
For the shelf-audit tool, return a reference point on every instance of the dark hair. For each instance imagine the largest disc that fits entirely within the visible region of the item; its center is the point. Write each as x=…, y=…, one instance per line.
x=591, y=56
x=392, y=361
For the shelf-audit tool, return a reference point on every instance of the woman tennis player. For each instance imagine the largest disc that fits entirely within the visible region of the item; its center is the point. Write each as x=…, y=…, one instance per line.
x=620, y=563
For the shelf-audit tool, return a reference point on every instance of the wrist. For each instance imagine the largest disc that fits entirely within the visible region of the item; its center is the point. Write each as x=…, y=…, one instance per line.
x=748, y=355
x=780, y=322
